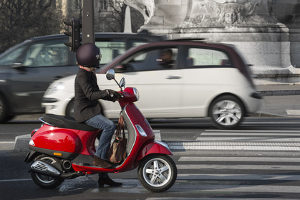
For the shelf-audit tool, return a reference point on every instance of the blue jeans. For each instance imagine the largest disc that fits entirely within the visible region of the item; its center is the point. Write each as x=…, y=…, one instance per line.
x=108, y=129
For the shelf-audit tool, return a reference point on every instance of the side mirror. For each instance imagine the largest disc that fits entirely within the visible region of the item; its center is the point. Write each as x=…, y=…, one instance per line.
x=122, y=82
x=110, y=74
x=18, y=66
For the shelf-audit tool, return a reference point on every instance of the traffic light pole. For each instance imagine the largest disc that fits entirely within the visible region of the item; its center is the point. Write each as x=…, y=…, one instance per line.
x=88, y=22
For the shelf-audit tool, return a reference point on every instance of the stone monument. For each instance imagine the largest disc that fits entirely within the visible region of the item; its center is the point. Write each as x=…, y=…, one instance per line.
x=250, y=25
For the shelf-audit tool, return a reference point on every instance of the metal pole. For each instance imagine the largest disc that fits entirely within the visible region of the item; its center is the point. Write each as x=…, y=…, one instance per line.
x=88, y=22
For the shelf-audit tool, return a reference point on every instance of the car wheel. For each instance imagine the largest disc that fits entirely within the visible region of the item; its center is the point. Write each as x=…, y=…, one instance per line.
x=4, y=116
x=226, y=112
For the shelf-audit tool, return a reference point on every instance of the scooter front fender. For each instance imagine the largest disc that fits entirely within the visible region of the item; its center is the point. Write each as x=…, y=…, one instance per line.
x=156, y=147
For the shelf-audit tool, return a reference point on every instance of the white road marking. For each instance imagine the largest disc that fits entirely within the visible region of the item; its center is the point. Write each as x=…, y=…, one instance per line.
x=7, y=142
x=264, y=140
x=293, y=112
x=221, y=143
x=255, y=132
x=239, y=159
x=15, y=180
x=250, y=139
x=239, y=167
x=239, y=177
x=230, y=134
x=186, y=146
x=219, y=198
x=275, y=123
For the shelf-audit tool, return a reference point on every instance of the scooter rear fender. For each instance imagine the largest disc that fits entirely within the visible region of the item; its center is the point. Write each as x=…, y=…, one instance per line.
x=156, y=147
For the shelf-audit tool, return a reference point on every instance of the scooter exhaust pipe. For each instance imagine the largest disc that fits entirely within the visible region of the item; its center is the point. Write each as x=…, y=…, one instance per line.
x=44, y=168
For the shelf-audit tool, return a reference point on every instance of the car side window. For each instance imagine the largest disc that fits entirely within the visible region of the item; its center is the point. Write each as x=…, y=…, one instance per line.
x=200, y=57
x=153, y=59
x=110, y=50
x=47, y=53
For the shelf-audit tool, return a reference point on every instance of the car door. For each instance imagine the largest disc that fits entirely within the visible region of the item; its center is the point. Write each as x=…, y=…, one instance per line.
x=159, y=85
x=205, y=73
x=43, y=62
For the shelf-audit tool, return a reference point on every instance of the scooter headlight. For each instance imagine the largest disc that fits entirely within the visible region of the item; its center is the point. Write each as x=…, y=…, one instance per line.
x=136, y=93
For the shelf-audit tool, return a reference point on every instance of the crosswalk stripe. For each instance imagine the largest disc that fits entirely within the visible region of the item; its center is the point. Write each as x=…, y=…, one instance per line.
x=269, y=138
x=212, y=188
x=234, y=146
x=221, y=143
x=236, y=134
x=238, y=167
x=239, y=159
x=218, y=198
x=251, y=131
x=239, y=177
x=249, y=188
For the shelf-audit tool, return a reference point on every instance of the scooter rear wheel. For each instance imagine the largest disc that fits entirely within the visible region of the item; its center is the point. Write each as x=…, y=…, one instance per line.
x=157, y=173
x=44, y=181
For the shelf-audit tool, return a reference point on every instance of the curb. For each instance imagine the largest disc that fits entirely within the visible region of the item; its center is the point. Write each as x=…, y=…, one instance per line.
x=265, y=115
x=21, y=143
x=279, y=92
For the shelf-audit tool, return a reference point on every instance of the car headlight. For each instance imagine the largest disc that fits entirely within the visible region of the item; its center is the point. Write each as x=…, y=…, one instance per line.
x=54, y=87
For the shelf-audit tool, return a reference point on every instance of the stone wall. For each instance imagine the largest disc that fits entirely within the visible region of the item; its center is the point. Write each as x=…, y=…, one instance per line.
x=265, y=31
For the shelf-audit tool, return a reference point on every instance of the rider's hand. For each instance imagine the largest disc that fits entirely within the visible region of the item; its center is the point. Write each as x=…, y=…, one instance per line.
x=113, y=95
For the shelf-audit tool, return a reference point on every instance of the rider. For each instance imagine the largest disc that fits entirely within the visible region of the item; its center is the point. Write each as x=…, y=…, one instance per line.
x=87, y=108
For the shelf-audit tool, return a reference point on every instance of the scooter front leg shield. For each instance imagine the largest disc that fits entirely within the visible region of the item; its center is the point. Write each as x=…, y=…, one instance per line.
x=156, y=147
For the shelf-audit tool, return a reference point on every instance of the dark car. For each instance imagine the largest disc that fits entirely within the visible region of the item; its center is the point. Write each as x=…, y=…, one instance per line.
x=27, y=69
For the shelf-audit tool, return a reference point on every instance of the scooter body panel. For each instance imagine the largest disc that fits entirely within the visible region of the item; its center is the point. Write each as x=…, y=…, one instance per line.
x=59, y=139
x=65, y=140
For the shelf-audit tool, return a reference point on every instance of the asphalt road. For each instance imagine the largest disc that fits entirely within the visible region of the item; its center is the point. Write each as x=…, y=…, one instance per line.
x=261, y=159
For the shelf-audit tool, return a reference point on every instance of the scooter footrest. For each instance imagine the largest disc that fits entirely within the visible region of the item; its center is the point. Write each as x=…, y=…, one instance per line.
x=83, y=164
x=83, y=160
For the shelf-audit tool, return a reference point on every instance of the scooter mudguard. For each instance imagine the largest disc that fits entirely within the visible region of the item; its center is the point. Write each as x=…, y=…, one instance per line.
x=156, y=147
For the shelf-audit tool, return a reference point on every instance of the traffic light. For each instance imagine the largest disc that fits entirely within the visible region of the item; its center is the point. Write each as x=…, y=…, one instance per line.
x=74, y=35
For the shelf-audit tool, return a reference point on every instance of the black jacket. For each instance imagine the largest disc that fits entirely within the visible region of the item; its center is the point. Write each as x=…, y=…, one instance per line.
x=87, y=93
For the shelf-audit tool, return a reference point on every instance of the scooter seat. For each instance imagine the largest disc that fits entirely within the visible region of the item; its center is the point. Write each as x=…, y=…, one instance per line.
x=65, y=122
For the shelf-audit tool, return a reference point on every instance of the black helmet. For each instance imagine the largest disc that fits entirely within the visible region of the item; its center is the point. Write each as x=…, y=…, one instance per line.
x=88, y=55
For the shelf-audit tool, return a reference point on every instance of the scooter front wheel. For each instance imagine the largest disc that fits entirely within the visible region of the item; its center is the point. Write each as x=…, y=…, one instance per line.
x=157, y=173
x=44, y=181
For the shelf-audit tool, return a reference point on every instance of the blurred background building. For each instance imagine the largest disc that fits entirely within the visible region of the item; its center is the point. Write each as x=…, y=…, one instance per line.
x=267, y=32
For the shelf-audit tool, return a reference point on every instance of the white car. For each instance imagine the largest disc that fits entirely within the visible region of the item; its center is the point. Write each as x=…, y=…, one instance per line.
x=197, y=80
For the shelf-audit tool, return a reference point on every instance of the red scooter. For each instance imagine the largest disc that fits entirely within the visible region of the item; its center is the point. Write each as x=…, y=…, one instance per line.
x=63, y=149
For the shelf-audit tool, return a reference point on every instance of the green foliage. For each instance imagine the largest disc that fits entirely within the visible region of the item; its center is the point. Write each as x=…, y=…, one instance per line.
x=22, y=19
